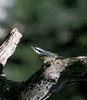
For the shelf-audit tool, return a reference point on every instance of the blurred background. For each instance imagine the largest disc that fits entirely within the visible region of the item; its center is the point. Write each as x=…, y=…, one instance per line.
x=59, y=26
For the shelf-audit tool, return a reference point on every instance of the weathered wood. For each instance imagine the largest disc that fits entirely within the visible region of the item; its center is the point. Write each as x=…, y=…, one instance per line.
x=8, y=89
x=55, y=74
x=9, y=45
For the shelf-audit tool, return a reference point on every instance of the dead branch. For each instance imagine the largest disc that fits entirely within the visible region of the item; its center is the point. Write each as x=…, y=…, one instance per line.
x=9, y=45
x=53, y=75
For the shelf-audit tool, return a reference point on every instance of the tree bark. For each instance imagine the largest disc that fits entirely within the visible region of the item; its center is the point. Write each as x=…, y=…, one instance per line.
x=53, y=75
x=9, y=45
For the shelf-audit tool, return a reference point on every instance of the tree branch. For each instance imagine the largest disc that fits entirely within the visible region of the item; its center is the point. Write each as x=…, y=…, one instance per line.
x=9, y=45
x=52, y=76
x=8, y=88
x=70, y=61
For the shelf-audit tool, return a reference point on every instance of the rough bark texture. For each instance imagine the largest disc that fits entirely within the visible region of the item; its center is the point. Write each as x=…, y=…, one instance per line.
x=9, y=45
x=53, y=75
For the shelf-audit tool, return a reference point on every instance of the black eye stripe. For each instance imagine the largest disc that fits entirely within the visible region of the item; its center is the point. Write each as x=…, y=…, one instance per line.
x=38, y=50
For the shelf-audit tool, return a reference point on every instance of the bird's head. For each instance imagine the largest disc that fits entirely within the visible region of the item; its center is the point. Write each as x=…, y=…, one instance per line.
x=45, y=55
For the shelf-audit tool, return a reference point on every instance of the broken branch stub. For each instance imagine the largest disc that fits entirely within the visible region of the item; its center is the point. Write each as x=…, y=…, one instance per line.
x=9, y=45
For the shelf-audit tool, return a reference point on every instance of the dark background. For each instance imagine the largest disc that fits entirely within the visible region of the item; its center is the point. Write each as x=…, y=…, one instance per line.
x=59, y=26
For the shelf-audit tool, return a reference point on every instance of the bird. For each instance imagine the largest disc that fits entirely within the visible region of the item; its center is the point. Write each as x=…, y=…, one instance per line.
x=57, y=73
x=57, y=66
x=44, y=55
x=52, y=63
